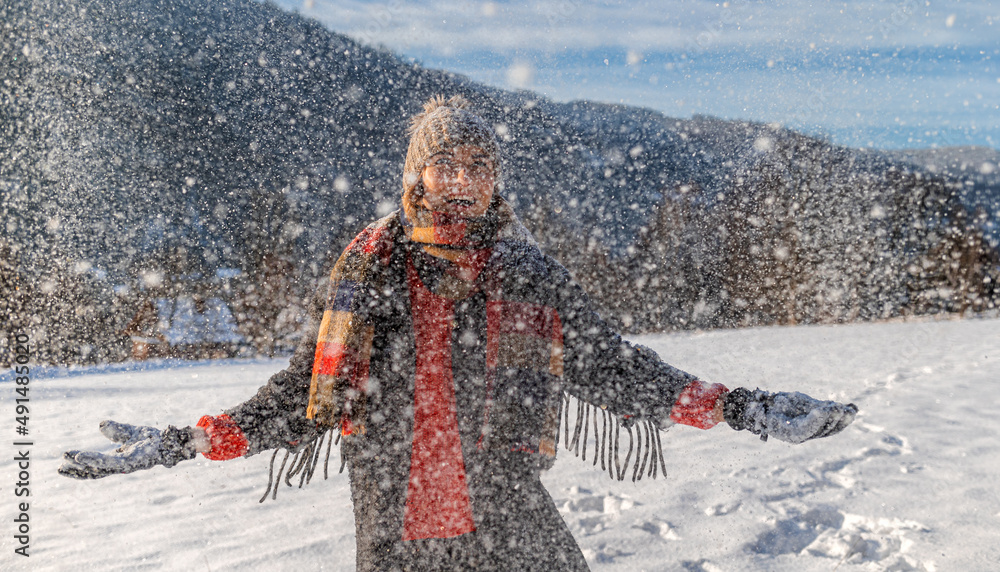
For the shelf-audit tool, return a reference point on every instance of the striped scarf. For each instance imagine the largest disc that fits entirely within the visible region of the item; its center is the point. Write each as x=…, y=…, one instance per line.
x=520, y=334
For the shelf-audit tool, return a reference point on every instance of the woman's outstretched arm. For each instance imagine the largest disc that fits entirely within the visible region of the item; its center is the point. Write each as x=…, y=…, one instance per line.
x=632, y=381
x=274, y=417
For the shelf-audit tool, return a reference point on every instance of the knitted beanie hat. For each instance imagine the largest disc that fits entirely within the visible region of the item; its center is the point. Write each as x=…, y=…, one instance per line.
x=442, y=125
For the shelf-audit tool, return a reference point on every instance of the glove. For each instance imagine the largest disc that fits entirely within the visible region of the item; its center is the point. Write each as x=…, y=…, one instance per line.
x=142, y=448
x=793, y=417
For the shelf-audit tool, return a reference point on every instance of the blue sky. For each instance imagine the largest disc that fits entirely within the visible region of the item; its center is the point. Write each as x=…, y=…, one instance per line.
x=884, y=74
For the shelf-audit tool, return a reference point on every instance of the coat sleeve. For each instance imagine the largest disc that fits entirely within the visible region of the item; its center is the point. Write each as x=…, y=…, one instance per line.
x=607, y=371
x=276, y=416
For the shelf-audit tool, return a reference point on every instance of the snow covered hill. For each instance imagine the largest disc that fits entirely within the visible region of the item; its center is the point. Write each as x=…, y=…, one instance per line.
x=910, y=486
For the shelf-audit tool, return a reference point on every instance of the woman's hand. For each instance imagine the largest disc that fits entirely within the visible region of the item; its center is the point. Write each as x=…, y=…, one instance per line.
x=793, y=417
x=141, y=448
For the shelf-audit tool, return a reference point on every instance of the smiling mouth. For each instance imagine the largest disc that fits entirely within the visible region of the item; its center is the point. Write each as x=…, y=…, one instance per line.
x=462, y=202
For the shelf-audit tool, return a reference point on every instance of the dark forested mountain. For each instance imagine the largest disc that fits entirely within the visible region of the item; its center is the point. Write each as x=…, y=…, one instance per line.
x=231, y=134
x=976, y=171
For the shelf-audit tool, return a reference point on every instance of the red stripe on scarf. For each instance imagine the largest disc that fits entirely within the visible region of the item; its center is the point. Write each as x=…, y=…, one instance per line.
x=437, y=500
x=336, y=359
x=380, y=243
x=494, y=312
x=526, y=319
x=449, y=229
x=453, y=234
x=328, y=358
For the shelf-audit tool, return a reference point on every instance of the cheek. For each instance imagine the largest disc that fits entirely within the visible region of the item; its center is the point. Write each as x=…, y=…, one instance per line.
x=431, y=184
x=486, y=187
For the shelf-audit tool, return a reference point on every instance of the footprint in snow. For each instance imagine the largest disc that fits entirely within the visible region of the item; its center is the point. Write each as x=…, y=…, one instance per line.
x=723, y=508
x=825, y=531
x=583, y=500
x=699, y=566
x=588, y=513
x=839, y=472
x=604, y=554
x=658, y=527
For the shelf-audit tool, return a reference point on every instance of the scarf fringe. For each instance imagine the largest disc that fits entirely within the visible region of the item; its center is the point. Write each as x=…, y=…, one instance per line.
x=304, y=463
x=643, y=438
x=305, y=459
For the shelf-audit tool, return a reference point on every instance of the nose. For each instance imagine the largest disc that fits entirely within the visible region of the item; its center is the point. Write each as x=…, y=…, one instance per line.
x=462, y=175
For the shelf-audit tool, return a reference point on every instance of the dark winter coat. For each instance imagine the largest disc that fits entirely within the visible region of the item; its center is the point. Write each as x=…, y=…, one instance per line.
x=517, y=524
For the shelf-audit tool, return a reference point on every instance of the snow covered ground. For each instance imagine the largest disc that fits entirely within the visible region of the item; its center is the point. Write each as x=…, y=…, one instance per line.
x=912, y=485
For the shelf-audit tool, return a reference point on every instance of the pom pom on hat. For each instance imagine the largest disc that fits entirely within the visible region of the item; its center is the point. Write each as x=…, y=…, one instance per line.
x=433, y=104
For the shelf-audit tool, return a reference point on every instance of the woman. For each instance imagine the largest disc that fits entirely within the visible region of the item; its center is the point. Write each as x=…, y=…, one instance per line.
x=445, y=352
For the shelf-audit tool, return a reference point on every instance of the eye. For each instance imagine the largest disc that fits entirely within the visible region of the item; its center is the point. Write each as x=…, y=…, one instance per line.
x=480, y=168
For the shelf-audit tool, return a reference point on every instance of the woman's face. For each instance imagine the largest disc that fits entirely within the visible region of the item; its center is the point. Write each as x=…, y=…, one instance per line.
x=459, y=182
